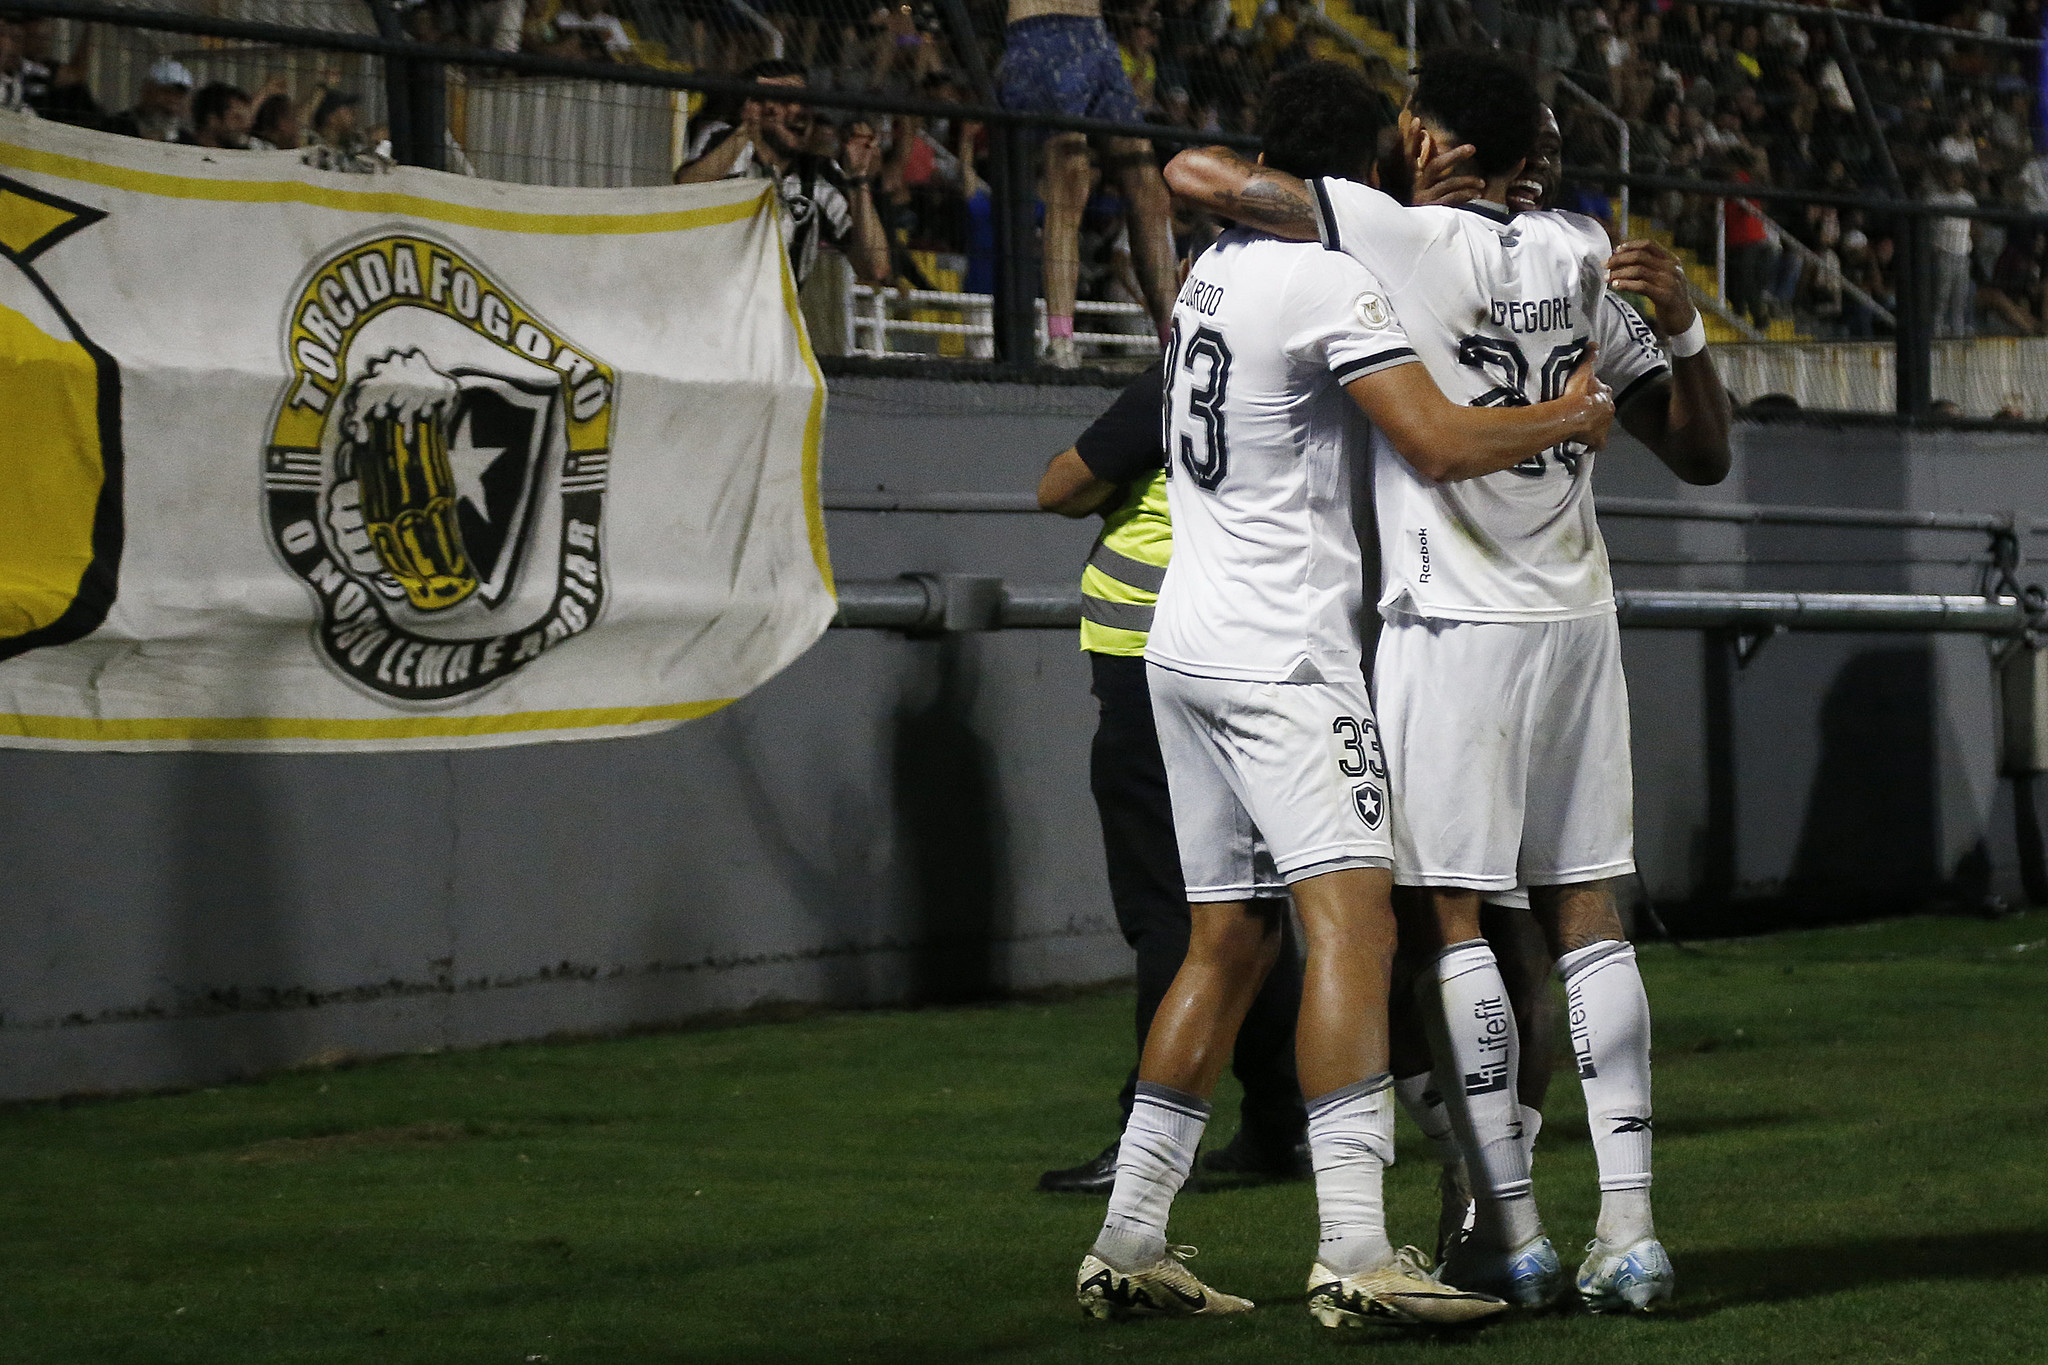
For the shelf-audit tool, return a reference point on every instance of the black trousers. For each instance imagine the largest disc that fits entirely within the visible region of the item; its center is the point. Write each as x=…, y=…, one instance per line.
x=1128, y=778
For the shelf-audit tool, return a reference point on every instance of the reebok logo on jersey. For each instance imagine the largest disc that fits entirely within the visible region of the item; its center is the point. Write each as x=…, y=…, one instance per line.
x=1422, y=544
x=1373, y=310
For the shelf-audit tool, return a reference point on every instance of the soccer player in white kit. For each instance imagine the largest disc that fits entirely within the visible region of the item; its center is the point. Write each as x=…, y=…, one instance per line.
x=1255, y=667
x=1498, y=676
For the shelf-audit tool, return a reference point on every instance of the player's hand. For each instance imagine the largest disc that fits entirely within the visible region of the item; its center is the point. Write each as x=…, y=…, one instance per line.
x=1647, y=268
x=861, y=154
x=1435, y=182
x=1593, y=399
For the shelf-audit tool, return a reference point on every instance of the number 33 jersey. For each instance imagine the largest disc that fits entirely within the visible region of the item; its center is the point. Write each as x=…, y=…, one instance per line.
x=1501, y=311
x=1261, y=440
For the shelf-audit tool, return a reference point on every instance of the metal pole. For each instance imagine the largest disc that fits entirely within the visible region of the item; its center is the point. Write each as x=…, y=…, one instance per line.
x=1624, y=184
x=1011, y=181
x=1718, y=851
x=1721, y=252
x=1914, y=335
x=1852, y=72
x=415, y=99
x=1413, y=56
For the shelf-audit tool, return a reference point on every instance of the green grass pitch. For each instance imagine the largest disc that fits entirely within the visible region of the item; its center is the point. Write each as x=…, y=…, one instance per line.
x=1852, y=1166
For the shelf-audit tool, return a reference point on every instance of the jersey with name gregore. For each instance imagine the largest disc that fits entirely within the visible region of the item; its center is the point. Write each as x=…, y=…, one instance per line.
x=1501, y=310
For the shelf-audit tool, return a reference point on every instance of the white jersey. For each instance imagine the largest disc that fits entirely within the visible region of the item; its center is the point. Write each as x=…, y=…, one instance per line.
x=1265, y=582
x=1501, y=310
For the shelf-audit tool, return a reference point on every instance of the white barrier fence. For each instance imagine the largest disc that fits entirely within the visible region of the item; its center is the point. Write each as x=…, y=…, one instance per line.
x=876, y=325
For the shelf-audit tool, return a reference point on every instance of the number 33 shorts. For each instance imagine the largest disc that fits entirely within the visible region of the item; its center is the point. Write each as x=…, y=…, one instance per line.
x=1295, y=765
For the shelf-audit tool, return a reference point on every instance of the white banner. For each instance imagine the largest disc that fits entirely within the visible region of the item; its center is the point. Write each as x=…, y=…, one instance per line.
x=300, y=460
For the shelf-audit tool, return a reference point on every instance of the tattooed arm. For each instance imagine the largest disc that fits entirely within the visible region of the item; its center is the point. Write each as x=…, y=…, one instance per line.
x=1219, y=180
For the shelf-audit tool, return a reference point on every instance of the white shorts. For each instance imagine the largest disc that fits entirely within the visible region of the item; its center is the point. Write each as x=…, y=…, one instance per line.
x=1509, y=744
x=1297, y=765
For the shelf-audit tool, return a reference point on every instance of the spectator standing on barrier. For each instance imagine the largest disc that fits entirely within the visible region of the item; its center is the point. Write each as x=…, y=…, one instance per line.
x=221, y=117
x=159, y=111
x=1059, y=59
x=1951, y=242
x=822, y=203
x=1118, y=468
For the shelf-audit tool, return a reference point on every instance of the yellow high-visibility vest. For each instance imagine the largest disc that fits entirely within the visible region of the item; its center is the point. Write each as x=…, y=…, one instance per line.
x=1125, y=569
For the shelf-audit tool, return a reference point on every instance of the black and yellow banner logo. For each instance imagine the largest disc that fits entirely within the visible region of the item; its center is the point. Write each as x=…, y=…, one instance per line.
x=439, y=461
x=60, y=461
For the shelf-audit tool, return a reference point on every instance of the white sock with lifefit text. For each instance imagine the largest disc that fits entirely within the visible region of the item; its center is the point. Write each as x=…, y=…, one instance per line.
x=1478, y=1051
x=1152, y=1163
x=1610, y=1022
x=1351, y=1140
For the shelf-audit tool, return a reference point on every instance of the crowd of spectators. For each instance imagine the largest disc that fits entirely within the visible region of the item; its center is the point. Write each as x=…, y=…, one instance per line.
x=1711, y=91
x=1732, y=94
x=169, y=106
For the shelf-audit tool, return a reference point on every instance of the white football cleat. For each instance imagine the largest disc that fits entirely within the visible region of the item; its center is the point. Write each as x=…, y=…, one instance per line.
x=1164, y=1289
x=1630, y=1279
x=1530, y=1276
x=1402, y=1291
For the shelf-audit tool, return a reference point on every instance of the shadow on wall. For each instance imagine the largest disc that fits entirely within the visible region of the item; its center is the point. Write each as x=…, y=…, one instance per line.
x=954, y=840
x=231, y=948
x=1870, y=844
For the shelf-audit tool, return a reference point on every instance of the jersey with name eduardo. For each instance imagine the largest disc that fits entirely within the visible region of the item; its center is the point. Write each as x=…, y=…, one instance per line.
x=1501, y=310
x=1265, y=583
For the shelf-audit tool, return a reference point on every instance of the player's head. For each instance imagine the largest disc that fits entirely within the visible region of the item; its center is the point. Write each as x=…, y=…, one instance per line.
x=1321, y=118
x=1536, y=187
x=1477, y=96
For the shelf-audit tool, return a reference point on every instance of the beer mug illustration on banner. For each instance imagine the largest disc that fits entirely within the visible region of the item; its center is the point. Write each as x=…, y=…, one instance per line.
x=397, y=424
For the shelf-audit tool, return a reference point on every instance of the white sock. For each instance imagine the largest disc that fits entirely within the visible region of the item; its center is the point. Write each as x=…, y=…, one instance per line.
x=1152, y=1163
x=1351, y=1138
x=1418, y=1095
x=1532, y=1124
x=1477, y=1054
x=1610, y=1021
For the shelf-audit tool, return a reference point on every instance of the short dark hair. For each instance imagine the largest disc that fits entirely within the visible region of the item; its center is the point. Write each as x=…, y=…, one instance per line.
x=774, y=69
x=1484, y=98
x=214, y=100
x=1321, y=118
x=270, y=116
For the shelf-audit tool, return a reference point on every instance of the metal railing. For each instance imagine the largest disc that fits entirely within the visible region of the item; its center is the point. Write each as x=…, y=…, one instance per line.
x=870, y=324
x=976, y=602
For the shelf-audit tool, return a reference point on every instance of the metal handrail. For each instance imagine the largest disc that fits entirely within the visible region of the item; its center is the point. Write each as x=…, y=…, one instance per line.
x=969, y=602
x=1650, y=509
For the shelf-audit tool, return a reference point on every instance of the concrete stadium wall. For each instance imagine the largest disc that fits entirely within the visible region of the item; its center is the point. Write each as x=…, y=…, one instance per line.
x=898, y=819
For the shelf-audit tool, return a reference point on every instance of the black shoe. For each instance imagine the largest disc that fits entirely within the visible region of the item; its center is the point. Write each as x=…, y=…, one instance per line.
x=1248, y=1160
x=1094, y=1176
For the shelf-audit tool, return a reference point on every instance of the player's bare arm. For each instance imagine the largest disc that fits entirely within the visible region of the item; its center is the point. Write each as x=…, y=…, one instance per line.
x=1449, y=442
x=1070, y=488
x=1219, y=180
x=1685, y=419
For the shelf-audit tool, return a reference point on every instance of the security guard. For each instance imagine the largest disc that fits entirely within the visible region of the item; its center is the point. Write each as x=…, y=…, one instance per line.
x=1118, y=467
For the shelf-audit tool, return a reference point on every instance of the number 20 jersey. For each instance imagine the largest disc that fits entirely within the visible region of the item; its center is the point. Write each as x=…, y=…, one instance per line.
x=1501, y=311
x=1263, y=447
